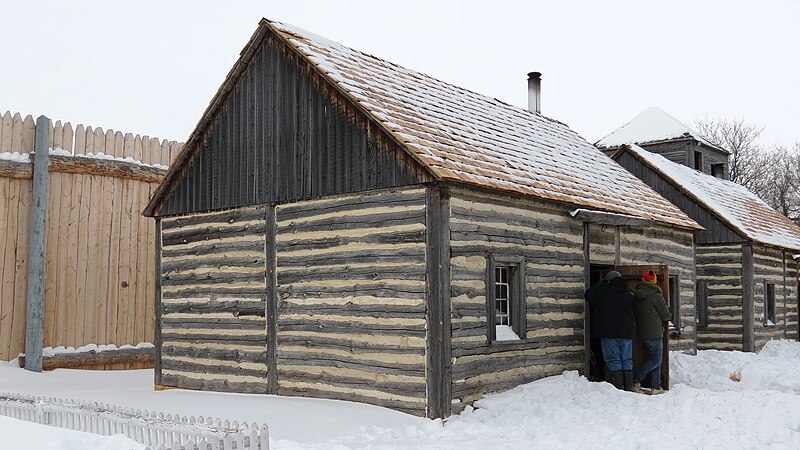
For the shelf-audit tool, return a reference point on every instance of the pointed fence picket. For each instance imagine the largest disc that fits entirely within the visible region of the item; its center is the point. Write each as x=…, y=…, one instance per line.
x=153, y=429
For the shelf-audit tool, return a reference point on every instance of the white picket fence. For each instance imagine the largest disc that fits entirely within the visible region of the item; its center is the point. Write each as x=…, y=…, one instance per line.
x=154, y=429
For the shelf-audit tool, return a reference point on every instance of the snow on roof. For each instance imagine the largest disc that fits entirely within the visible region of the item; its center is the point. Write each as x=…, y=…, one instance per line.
x=734, y=204
x=652, y=125
x=466, y=137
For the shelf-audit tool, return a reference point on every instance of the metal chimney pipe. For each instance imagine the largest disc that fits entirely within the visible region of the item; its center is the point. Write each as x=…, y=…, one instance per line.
x=535, y=92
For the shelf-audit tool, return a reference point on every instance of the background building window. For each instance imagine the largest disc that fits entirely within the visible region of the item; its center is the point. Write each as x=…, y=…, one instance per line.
x=698, y=160
x=505, y=298
x=702, y=303
x=769, y=305
x=718, y=170
x=675, y=304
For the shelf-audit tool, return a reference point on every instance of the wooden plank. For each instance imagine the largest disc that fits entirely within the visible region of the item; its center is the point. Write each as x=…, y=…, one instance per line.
x=152, y=271
x=54, y=195
x=62, y=257
x=7, y=240
x=125, y=307
x=69, y=137
x=82, y=266
x=21, y=261
x=438, y=372
x=28, y=134
x=94, y=306
x=117, y=215
x=5, y=132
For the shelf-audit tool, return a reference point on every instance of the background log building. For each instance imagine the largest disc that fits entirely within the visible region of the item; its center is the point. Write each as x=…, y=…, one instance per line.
x=747, y=277
x=339, y=226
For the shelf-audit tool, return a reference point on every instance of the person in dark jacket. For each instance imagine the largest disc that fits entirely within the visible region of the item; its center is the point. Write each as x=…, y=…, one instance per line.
x=611, y=304
x=651, y=313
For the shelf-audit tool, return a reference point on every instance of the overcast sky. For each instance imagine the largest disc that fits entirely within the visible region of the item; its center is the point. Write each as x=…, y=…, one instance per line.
x=151, y=67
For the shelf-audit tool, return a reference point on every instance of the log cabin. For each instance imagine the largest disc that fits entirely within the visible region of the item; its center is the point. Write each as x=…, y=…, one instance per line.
x=747, y=275
x=338, y=226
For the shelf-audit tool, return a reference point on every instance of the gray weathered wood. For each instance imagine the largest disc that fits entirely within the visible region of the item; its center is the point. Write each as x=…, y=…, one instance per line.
x=439, y=366
x=157, y=338
x=748, y=319
x=34, y=325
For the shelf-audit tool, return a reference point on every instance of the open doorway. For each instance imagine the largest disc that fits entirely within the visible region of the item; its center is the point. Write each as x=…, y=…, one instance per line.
x=596, y=370
x=597, y=366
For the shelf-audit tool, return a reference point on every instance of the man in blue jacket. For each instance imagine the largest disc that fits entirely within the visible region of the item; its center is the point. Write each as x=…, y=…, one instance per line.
x=611, y=304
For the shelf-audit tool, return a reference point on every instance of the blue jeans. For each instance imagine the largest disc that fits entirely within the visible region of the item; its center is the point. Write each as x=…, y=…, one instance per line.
x=618, y=353
x=652, y=364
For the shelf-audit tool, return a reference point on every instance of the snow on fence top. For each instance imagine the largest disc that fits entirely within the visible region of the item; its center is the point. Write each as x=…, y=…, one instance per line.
x=17, y=135
x=731, y=202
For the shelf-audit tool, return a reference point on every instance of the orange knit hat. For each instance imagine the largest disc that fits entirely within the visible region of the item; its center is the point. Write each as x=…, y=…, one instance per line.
x=650, y=277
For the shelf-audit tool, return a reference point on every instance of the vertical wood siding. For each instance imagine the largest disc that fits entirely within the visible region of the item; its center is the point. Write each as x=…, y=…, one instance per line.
x=721, y=267
x=352, y=298
x=282, y=134
x=552, y=244
x=213, y=292
x=672, y=247
x=768, y=267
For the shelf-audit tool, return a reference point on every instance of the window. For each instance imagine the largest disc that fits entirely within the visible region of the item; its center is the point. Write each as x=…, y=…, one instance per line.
x=769, y=305
x=674, y=304
x=718, y=170
x=505, y=299
x=698, y=160
x=702, y=303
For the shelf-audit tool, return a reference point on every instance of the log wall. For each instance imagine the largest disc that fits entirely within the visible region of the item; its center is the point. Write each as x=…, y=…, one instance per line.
x=672, y=247
x=352, y=299
x=100, y=267
x=213, y=301
x=552, y=245
x=772, y=266
x=720, y=266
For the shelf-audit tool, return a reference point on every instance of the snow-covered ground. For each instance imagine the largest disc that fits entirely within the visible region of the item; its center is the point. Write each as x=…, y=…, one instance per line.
x=705, y=408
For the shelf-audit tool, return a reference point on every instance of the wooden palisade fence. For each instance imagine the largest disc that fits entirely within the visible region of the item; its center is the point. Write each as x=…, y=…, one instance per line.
x=99, y=264
x=150, y=428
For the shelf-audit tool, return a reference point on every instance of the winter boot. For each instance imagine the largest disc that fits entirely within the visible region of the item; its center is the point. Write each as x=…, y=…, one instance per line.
x=627, y=380
x=637, y=387
x=617, y=379
x=656, y=391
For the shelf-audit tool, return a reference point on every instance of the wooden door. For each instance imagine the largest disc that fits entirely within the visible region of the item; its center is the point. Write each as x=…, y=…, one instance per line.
x=633, y=274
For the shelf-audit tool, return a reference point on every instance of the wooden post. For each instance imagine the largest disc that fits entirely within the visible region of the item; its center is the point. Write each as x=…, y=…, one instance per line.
x=272, y=301
x=439, y=351
x=587, y=327
x=748, y=310
x=157, y=328
x=34, y=326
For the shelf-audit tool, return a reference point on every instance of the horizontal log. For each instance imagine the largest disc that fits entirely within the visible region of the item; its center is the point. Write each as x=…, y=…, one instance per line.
x=335, y=328
x=206, y=262
x=375, y=310
x=15, y=169
x=228, y=216
x=211, y=233
x=288, y=359
x=214, y=337
x=218, y=354
x=404, y=272
x=483, y=348
x=357, y=289
x=359, y=256
x=349, y=345
x=213, y=248
x=214, y=292
x=406, y=407
x=180, y=381
x=236, y=308
x=381, y=236
x=380, y=386
x=339, y=223
x=104, y=168
x=212, y=369
x=303, y=210
x=93, y=358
